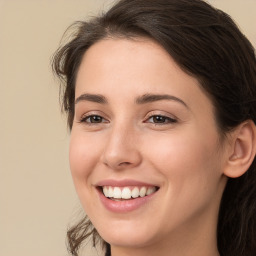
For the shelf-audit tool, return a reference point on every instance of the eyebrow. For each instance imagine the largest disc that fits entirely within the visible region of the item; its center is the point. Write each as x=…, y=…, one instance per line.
x=144, y=99
x=91, y=97
x=147, y=98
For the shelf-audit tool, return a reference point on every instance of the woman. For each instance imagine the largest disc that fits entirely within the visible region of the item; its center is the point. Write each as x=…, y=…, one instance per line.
x=160, y=97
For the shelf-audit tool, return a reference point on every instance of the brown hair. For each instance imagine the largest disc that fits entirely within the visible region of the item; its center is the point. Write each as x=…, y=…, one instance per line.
x=205, y=43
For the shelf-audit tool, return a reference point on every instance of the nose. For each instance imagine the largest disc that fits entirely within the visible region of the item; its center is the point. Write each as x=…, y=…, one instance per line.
x=121, y=149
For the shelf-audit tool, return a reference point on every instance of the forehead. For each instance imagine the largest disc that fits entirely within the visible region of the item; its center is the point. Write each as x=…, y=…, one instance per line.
x=119, y=58
x=129, y=68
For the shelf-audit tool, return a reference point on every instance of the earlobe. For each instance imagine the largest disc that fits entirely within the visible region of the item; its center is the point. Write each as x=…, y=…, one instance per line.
x=242, y=150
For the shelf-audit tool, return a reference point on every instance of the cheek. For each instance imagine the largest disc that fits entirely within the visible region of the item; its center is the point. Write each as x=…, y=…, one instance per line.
x=190, y=170
x=180, y=149
x=83, y=156
x=188, y=163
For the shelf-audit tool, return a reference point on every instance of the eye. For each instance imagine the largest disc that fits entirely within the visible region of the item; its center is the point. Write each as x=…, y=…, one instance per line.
x=160, y=119
x=93, y=119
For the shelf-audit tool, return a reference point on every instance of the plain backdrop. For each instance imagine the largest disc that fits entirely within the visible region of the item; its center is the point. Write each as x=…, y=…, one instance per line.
x=37, y=198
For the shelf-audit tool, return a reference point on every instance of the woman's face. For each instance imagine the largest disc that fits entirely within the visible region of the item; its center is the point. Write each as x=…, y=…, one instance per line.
x=144, y=132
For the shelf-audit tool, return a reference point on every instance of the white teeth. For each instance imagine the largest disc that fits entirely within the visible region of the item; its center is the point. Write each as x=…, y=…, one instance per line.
x=143, y=191
x=117, y=193
x=126, y=192
x=150, y=190
x=110, y=192
x=105, y=191
x=135, y=192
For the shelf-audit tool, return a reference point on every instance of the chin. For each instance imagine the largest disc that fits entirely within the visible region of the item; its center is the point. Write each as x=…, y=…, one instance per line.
x=127, y=236
x=127, y=241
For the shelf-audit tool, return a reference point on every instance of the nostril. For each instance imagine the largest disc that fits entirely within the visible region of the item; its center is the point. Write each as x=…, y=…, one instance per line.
x=124, y=163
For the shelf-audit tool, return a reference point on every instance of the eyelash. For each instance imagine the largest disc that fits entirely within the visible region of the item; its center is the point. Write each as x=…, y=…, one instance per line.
x=85, y=118
x=163, y=120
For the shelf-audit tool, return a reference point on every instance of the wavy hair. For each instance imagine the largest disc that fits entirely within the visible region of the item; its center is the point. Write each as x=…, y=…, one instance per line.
x=205, y=43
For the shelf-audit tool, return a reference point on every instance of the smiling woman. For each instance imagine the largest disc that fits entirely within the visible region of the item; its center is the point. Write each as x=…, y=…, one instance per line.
x=160, y=96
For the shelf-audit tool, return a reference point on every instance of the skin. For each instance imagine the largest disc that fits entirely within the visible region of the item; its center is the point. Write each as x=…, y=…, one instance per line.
x=185, y=158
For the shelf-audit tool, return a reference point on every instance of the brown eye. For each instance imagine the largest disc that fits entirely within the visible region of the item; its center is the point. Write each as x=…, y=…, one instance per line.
x=93, y=119
x=158, y=119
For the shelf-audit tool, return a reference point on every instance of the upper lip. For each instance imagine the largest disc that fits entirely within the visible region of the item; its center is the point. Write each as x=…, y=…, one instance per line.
x=123, y=183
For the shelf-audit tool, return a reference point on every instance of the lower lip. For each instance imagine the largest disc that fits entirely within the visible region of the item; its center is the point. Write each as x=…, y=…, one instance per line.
x=126, y=205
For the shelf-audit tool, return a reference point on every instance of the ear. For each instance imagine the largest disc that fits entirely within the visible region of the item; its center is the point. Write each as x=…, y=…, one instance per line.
x=242, y=149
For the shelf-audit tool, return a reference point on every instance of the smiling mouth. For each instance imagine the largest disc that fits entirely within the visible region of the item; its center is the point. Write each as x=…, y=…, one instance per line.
x=127, y=193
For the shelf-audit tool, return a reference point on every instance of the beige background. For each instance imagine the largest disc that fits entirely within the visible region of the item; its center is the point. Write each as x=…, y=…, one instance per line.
x=37, y=199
